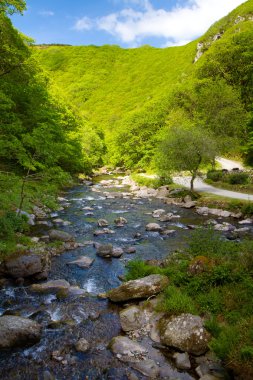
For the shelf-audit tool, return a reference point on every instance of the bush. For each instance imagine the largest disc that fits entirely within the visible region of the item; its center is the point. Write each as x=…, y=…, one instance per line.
x=237, y=178
x=10, y=223
x=151, y=182
x=214, y=175
x=137, y=269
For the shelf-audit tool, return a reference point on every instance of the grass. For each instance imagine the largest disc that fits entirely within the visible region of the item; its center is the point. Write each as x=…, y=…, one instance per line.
x=152, y=182
x=213, y=278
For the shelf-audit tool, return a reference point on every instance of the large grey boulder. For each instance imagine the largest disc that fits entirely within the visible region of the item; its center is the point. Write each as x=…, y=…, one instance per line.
x=20, y=266
x=105, y=250
x=141, y=288
x=60, y=235
x=186, y=333
x=18, y=332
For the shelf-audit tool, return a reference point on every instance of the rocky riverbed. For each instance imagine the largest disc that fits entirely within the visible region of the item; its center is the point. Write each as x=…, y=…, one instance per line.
x=65, y=314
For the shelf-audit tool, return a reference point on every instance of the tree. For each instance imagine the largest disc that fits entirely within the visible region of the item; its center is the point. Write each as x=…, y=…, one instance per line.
x=185, y=146
x=12, y=6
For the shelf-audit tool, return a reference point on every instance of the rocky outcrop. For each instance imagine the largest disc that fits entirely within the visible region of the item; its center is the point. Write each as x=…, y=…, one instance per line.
x=22, y=266
x=141, y=288
x=60, y=235
x=18, y=332
x=185, y=332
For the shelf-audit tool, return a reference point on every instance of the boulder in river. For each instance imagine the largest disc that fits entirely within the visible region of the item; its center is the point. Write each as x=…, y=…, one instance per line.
x=182, y=360
x=82, y=262
x=82, y=345
x=155, y=227
x=120, y=222
x=185, y=332
x=105, y=250
x=21, y=266
x=117, y=252
x=141, y=288
x=18, y=332
x=158, y=213
x=60, y=235
x=103, y=223
x=52, y=286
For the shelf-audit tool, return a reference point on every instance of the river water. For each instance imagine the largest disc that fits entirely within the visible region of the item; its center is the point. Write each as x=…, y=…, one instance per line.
x=65, y=320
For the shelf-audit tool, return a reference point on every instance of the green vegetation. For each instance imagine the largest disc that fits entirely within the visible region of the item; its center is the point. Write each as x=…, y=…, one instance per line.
x=212, y=278
x=153, y=182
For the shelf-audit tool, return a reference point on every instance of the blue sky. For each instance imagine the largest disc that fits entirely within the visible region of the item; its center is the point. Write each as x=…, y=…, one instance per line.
x=128, y=23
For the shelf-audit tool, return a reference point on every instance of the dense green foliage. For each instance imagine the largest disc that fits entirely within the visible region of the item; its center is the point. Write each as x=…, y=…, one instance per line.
x=130, y=94
x=212, y=278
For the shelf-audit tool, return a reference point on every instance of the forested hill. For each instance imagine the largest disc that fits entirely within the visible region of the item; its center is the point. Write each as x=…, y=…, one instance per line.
x=129, y=94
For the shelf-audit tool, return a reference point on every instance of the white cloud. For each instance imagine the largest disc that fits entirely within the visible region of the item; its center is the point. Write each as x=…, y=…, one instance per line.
x=84, y=23
x=176, y=26
x=46, y=13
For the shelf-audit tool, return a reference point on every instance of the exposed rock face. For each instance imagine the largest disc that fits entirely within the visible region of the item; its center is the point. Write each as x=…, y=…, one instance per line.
x=82, y=262
x=26, y=265
x=51, y=286
x=155, y=227
x=132, y=318
x=18, y=332
x=136, y=355
x=186, y=333
x=141, y=288
x=60, y=235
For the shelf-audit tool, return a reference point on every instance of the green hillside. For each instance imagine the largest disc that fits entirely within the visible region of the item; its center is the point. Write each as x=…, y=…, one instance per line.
x=128, y=93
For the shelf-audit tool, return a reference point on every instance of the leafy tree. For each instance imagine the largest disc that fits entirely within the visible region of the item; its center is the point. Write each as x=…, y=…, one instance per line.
x=12, y=6
x=185, y=146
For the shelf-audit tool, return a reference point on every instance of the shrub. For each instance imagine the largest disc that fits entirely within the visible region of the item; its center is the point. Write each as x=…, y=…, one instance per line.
x=226, y=342
x=214, y=175
x=246, y=353
x=212, y=325
x=10, y=223
x=137, y=269
x=237, y=178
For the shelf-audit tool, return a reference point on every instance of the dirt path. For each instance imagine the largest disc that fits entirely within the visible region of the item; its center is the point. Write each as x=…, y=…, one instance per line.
x=229, y=164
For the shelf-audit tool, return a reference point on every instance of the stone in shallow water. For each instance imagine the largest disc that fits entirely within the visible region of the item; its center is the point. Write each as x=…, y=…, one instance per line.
x=82, y=345
x=103, y=223
x=182, y=360
x=105, y=250
x=60, y=235
x=153, y=227
x=141, y=288
x=82, y=262
x=132, y=318
x=18, y=332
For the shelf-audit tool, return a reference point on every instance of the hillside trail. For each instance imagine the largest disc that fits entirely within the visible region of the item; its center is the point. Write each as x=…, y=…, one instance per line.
x=201, y=186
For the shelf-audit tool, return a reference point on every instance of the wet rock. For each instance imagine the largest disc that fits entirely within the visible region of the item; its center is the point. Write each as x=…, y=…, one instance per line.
x=137, y=235
x=158, y=213
x=105, y=250
x=18, y=332
x=120, y=222
x=141, y=288
x=26, y=265
x=189, y=205
x=166, y=218
x=182, y=360
x=103, y=223
x=70, y=245
x=214, y=211
x=186, y=333
x=39, y=213
x=82, y=262
x=82, y=345
x=131, y=318
x=130, y=250
x=162, y=192
x=135, y=355
x=104, y=231
x=117, y=252
x=126, y=350
x=60, y=235
x=53, y=286
x=155, y=227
